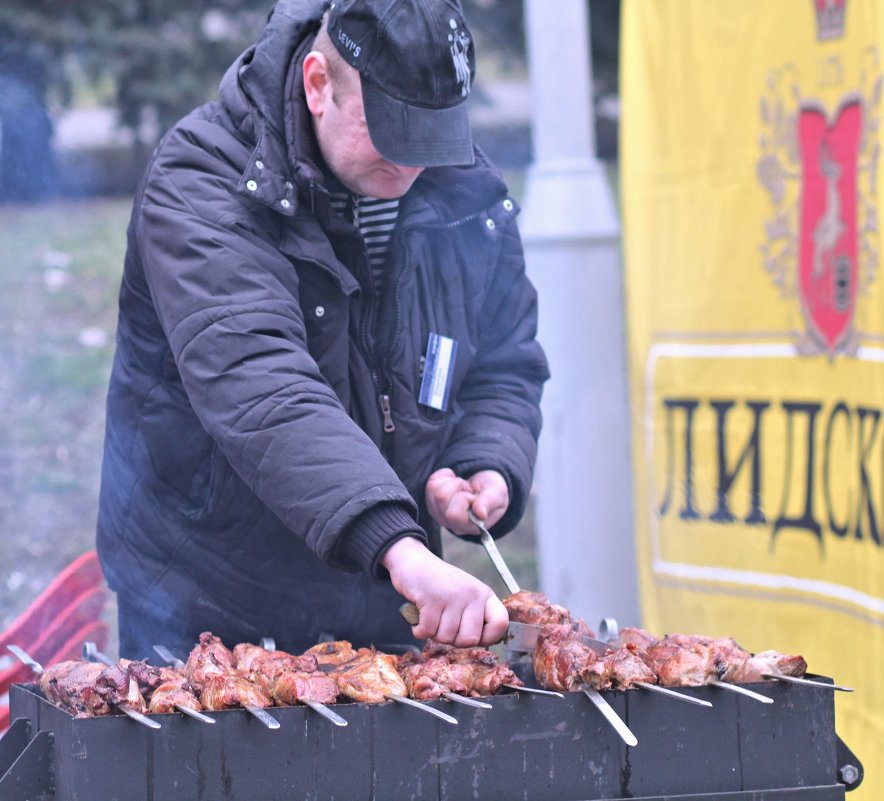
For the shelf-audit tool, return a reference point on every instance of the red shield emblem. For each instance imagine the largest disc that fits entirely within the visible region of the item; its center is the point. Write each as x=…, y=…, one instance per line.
x=828, y=269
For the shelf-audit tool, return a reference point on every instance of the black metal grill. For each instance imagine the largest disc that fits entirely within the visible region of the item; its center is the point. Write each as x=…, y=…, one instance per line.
x=527, y=747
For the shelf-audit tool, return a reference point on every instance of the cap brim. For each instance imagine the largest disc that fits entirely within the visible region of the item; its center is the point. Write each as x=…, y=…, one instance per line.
x=414, y=136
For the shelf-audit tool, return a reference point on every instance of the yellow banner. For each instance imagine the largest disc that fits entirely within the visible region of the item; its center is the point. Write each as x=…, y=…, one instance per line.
x=752, y=190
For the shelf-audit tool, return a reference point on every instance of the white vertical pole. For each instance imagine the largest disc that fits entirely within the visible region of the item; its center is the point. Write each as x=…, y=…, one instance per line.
x=572, y=241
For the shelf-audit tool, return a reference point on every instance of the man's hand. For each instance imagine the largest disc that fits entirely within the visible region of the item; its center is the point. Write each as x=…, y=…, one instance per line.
x=455, y=608
x=450, y=498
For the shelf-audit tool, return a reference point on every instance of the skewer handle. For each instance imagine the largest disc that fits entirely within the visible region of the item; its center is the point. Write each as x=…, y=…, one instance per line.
x=194, y=714
x=168, y=657
x=491, y=547
x=137, y=716
x=808, y=683
x=401, y=699
x=323, y=710
x=462, y=699
x=735, y=688
x=533, y=690
x=92, y=654
x=675, y=696
x=267, y=719
x=26, y=658
x=611, y=716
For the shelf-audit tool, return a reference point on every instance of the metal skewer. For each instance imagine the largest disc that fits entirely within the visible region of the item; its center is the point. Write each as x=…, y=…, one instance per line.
x=269, y=644
x=491, y=548
x=808, y=683
x=466, y=701
x=92, y=654
x=268, y=720
x=533, y=690
x=610, y=715
x=735, y=688
x=259, y=713
x=676, y=696
x=168, y=657
x=128, y=711
x=401, y=699
x=322, y=709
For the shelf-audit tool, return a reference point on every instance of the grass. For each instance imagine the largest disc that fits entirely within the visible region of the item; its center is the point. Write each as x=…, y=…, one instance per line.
x=59, y=275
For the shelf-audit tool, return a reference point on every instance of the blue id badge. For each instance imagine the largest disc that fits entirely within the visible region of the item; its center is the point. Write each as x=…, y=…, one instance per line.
x=438, y=372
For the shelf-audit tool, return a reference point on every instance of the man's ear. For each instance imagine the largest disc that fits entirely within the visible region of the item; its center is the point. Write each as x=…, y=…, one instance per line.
x=317, y=79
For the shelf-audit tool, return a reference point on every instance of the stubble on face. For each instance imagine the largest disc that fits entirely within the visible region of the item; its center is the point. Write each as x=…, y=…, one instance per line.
x=346, y=145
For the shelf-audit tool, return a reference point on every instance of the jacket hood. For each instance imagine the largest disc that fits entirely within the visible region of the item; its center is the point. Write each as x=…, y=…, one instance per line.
x=256, y=90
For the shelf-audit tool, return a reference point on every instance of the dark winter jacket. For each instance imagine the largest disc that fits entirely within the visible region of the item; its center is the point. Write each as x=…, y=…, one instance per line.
x=248, y=484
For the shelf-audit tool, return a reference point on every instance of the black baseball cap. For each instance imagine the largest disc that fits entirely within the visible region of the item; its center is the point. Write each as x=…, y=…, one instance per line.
x=417, y=63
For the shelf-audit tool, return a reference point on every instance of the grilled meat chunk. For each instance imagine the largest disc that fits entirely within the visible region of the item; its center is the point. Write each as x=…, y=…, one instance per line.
x=231, y=689
x=627, y=666
x=117, y=686
x=487, y=673
x=768, y=663
x=690, y=660
x=436, y=676
x=255, y=659
x=331, y=654
x=174, y=691
x=292, y=686
x=677, y=666
x=369, y=677
x=563, y=662
x=284, y=677
x=71, y=686
x=534, y=607
x=638, y=637
x=210, y=657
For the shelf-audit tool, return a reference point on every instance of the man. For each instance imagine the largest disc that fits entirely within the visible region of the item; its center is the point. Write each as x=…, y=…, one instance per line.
x=325, y=347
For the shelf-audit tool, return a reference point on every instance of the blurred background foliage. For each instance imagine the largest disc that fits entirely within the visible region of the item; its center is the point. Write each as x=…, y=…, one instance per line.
x=154, y=60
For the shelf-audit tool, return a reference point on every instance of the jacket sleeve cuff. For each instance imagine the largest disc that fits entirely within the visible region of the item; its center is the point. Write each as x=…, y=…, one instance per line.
x=373, y=532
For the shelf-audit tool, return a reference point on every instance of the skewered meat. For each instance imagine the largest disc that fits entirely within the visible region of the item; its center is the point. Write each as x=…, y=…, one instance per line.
x=563, y=662
x=639, y=637
x=627, y=666
x=369, y=677
x=770, y=663
x=253, y=658
x=284, y=677
x=148, y=677
x=684, y=660
x=677, y=666
x=211, y=668
x=535, y=608
x=332, y=653
x=292, y=686
x=210, y=657
x=488, y=673
x=71, y=686
x=173, y=691
x=117, y=685
x=444, y=668
x=434, y=677
x=231, y=689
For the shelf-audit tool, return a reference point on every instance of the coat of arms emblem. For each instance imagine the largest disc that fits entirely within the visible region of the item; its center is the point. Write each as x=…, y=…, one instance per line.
x=819, y=167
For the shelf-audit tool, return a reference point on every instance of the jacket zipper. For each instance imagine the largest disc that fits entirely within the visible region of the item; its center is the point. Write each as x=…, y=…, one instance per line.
x=380, y=377
x=387, y=413
x=385, y=400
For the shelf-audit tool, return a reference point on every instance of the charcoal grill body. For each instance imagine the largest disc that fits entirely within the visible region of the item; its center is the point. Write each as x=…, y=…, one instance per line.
x=534, y=748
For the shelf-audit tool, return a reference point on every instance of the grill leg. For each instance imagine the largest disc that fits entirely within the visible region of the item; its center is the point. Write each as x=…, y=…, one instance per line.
x=25, y=766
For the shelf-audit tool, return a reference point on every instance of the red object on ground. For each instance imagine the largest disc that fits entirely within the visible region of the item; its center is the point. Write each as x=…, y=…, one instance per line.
x=54, y=627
